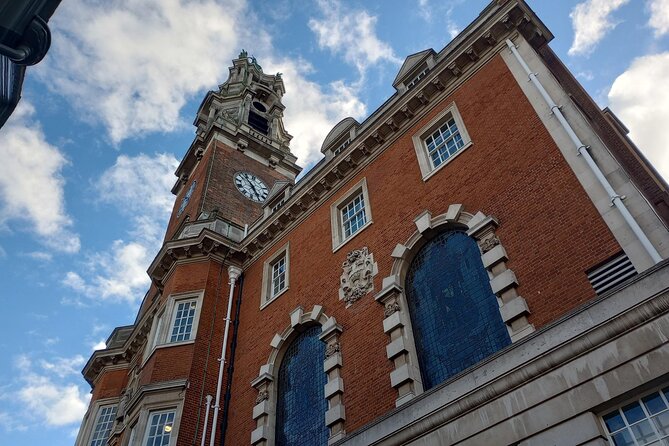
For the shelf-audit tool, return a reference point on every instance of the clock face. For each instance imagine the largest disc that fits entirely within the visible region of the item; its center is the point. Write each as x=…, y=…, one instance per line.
x=186, y=198
x=251, y=186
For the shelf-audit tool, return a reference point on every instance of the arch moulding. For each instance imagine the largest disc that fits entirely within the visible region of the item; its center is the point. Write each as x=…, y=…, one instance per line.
x=264, y=411
x=401, y=348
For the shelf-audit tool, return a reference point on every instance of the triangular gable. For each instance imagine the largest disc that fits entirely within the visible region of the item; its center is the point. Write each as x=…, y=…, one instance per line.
x=410, y=63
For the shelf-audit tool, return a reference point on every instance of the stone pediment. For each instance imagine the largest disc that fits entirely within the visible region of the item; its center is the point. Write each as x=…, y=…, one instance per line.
x=410, y=63
x=343, y=126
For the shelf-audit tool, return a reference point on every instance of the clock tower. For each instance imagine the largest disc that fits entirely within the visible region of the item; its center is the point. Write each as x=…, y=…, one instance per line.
x=240, y=152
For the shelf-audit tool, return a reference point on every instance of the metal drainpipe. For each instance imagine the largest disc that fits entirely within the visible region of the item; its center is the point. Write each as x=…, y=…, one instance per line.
x=206, y=419
x=582, y=150
x=231, y=362
x=233, y=274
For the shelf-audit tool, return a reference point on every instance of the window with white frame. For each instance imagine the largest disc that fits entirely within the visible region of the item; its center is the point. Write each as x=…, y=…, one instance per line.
x=350, y=214
x=279, y=276
x=440, y=141
x=276, y=275
x=177, y=322
x=412, y=83
x=103, y=425
x=279, y=204
x=184, y=318
x=159, y=427
x=641, y=422
x=353, y=216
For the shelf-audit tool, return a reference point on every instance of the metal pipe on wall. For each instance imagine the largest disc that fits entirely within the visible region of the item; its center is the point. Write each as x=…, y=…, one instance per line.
x=233, y=273
x=206, y=419
x=582, y=150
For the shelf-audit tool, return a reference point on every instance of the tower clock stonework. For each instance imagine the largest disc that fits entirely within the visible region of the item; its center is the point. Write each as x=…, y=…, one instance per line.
x=240, y=151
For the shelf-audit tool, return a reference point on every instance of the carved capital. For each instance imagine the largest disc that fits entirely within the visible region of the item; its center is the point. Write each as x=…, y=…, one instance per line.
x=489, y=243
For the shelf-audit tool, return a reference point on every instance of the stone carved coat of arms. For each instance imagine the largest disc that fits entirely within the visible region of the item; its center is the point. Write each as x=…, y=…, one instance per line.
x=356, y=280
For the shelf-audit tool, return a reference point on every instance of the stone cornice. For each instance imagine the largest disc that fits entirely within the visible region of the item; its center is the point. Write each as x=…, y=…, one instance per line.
x=207, y=243
x=477, y=44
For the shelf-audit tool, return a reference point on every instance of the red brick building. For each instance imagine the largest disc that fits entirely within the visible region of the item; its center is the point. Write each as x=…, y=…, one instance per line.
x=478, y=262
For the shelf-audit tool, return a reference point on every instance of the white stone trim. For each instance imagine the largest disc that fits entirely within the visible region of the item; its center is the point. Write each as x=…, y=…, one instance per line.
x=87, y=424
x=266, y=297
x=264, y=411
x=636, y=203
x=338, y=239
x=138, y=417
x=163, y=320
x=401, y=348
x=427, y=169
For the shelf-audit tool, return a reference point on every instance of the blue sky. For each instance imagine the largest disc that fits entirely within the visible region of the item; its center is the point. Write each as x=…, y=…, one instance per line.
x=88, y=157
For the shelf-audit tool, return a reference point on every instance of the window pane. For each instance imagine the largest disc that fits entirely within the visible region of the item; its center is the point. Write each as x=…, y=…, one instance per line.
x=623, y=439
x=661, y=422
x=353, y=216
x=633, y=412
x=643, y=432
x=654, y=403
x=614, y=421
x=444, y=142
x=301, y=403
x=103, y=425
x=454, y=313
x=160, y=428
x=183, y=321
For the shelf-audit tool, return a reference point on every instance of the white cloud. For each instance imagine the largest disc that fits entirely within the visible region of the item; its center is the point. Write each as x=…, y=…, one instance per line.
x=351, y=32
x=100, y=345
x=659, y=16
x=31, y=182
x=63, y=367
x=40, y=255
x=443, y=11
x=44, y=399
x=640, y=97
x=311, y=110
x=591, y=21
x=140, y=184
x=139, y=187
x=55, y=404
x=132, y=64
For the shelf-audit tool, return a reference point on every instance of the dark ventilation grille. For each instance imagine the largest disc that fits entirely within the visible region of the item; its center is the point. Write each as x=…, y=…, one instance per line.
x=611, y=273
x=258, y=122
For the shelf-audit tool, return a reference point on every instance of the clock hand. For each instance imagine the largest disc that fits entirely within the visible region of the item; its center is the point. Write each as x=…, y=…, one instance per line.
x=254, y=188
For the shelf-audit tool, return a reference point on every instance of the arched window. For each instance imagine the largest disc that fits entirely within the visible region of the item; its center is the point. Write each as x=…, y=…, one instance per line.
x=301, y=403
x=454, y=313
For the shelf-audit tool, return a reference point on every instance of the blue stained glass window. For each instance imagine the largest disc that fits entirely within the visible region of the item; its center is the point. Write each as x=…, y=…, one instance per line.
x=454, y=313
x=301, y=403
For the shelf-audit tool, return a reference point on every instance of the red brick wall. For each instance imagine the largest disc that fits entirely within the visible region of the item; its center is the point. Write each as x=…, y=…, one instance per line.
x=110, y=384
x=222, y=192
x=215, y=173
x=514, y=171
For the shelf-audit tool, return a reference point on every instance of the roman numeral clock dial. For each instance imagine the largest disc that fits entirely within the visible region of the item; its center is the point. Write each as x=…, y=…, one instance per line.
x=251, y=187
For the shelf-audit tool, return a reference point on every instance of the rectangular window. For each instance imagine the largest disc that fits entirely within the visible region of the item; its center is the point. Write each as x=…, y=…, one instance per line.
x=184, y=316
x=159, y=428
x=350, y=214
x=644, y=421
x=279, y=205
x=176, y=322
x=103, y=425
x=353, y=216
x=417, y=79
x=276, y=275
x=440, y=141
x=279, y=276
x=444, y=142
